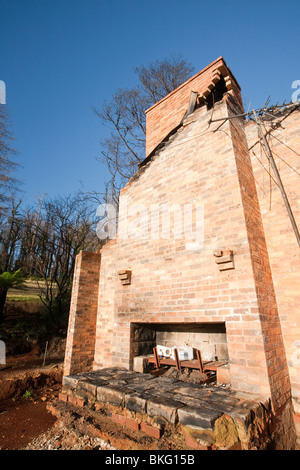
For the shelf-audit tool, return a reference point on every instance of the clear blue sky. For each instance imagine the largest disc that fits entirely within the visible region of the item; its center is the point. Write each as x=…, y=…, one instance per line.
x=60, y=57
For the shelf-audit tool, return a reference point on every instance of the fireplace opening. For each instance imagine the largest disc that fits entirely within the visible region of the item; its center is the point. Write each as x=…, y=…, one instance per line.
x=187, y=338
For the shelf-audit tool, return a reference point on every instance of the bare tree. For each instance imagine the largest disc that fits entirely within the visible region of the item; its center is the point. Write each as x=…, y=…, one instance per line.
x=65, y=227
x=7, y=153
x=124, y=149
x=43, y=241
x=163, y=76
x=10, y=235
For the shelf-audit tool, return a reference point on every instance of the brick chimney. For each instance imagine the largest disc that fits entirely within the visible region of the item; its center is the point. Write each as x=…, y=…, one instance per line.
x=167, y=114
x=155, y=284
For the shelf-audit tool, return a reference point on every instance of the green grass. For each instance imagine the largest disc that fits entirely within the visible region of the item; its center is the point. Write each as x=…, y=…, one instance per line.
x=28, y=292
x=23, y=298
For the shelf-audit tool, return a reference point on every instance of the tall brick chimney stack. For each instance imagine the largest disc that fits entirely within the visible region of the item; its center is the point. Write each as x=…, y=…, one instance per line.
x=166, y=115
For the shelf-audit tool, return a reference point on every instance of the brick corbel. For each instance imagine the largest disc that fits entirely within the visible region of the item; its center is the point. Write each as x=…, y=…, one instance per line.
x=125, y=277
x=224, y=259
x=219, y=72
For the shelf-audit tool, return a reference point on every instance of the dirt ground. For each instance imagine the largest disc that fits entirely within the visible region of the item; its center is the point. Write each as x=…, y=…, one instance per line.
x=22, y=421
x=28, y=385
x=26, y=424
x=25, y=391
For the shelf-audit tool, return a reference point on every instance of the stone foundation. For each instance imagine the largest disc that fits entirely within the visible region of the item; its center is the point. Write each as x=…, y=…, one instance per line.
x=192, y=415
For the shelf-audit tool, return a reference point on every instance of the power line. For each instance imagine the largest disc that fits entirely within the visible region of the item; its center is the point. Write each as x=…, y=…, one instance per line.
x=259, y=116
x=278, y=178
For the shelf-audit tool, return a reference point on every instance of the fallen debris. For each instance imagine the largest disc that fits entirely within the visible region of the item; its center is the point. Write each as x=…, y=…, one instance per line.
x=60, y=438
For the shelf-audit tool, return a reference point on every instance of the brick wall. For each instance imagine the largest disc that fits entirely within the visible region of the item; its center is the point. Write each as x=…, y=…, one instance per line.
x=105, y=332
x=173, y=284
x=167, y=114
x=80, y=345
x=281, y=242
x=275, y=358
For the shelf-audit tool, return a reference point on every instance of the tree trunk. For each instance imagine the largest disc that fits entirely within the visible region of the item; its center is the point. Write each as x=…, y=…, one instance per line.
x=3, y=294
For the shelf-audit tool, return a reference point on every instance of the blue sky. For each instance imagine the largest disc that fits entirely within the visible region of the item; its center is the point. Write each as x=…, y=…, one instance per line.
x=58, y=58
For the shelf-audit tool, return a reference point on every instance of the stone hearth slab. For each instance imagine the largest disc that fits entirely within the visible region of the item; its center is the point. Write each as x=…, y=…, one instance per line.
x=190, y=404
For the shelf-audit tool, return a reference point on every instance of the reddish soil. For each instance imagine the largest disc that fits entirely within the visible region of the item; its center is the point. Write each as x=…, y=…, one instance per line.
x=21, y=421
x=27, y=385
x=25, y=391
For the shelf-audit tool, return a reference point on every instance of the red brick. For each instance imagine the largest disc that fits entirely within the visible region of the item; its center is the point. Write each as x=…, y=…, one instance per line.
x=132, y=424
x=151, y=431
x=72, y=400
x=80, y=402
x=193, y=444
x=63, y=397
x=169, y=111
x=83, y=311
x=119, y=419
